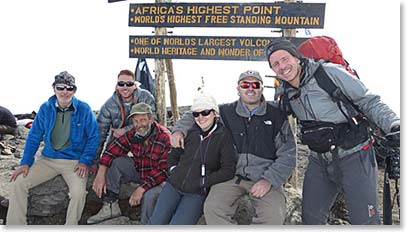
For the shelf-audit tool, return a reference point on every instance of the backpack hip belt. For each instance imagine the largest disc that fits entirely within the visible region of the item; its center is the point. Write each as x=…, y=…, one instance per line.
x=323, y=137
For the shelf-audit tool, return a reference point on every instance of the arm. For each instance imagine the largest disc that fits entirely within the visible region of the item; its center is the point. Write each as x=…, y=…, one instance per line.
x=279, y=172
x=228, y=155
x=91, y=136
x=185, y=123
x=34, y=137
x=181, y=128
x=369, y=103
x=173, y=157
x=104, y=121
x=118, y=148
x=99, y=184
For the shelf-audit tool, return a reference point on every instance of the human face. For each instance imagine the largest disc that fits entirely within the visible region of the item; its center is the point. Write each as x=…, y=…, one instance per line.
x=64, y=96
x=286, y=66
x=142, y=123
x=251, y=97
x=205, y=122
x=126, y=92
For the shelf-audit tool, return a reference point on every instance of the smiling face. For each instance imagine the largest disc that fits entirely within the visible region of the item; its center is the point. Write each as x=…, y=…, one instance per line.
x=64, y=94
x=125, y=91
x=286, y=66
x=250, y=92
x=204, y=121
x=142, y=123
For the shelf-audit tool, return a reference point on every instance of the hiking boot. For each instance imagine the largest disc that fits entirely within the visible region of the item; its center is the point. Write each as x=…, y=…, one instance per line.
x=108, y=211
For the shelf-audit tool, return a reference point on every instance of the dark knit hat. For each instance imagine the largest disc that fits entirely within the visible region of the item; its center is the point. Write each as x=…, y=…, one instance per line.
x=282, y=44
x=64, y=78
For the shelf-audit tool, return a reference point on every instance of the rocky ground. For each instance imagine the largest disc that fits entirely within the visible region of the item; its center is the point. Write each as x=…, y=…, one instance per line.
x=48, y=203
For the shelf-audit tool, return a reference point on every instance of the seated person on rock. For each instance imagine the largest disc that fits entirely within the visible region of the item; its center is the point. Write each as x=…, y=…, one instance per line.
x=69, y=130
x=209, y=158
x=266, y=155
x=8, y=124
x=149, y=142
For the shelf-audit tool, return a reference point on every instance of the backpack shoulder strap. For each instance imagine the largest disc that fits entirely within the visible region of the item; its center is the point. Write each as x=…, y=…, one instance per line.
x=325, y=82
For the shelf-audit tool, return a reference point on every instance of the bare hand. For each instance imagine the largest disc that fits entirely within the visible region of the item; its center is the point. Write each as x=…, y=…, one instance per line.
x=23, y=169
x=81, y=170
x=135, y=198
x=177, y=139
x=93, y=169
x=118, y=132
x=99, y=184
x=260, y=188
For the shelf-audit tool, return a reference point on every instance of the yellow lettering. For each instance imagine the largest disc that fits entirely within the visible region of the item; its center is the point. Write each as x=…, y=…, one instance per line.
x=296, y=20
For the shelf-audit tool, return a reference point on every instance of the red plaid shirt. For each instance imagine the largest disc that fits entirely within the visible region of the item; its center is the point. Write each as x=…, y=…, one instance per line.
x=150, y=157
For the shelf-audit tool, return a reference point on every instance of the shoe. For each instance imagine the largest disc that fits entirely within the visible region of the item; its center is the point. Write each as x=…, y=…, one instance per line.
x=108, y=211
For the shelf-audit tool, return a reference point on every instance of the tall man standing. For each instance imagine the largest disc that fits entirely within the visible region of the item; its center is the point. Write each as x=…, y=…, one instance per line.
x=342, y=157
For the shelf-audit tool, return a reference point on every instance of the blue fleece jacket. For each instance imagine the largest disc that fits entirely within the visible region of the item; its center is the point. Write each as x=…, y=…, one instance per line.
x=84, y=136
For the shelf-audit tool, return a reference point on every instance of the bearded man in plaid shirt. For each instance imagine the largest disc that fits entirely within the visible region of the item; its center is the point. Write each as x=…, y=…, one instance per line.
x=149, y=142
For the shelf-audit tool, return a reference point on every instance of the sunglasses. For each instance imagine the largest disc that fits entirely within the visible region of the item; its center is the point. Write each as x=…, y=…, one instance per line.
x=125, y=83
x=246, y=85
x=69, y=88
x=203, y=113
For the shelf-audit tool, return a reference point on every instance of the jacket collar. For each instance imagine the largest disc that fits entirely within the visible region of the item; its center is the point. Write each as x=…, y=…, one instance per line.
x=53, y=101
x=242, y=110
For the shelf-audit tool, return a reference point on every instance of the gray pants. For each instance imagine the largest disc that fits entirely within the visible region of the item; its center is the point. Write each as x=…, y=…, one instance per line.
x=359, y=183
x=123, y=169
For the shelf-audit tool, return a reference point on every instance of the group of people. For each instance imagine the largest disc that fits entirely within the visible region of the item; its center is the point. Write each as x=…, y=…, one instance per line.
x=214, y=155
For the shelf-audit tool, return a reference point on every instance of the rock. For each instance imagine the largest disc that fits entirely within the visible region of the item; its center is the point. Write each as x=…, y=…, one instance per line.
x=6, y=151
x=49, y=198
x=119, y=221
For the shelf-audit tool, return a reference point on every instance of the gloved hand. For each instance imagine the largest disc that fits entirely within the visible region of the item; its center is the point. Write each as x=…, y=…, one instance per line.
x=393, y=138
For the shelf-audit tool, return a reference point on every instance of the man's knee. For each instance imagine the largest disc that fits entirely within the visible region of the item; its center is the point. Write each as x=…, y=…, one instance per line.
x=77, y=191
x=151, y=196
x=210, y=205
x=21, y=184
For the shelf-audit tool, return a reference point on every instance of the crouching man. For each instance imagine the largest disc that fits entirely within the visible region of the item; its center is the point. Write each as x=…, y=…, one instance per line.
x=149, y=142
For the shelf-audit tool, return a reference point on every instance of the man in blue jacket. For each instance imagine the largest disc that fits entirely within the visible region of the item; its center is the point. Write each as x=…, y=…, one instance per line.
x=69, y=130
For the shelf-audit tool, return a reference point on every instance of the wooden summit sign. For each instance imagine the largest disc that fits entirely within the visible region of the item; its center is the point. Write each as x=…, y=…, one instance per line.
x=201, y=47
x=270, y=15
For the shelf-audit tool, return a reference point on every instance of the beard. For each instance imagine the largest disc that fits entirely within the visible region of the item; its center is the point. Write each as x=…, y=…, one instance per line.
x=141, y=136
x=143, y=130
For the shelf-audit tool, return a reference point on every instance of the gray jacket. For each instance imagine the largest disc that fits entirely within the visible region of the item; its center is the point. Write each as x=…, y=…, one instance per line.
x=275, y=171
x=311, y=102
x=111, y=115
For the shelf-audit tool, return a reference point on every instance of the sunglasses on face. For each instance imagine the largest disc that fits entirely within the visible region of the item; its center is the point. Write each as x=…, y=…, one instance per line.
x=246, y=85
x=69, y=88
x=125, y=83
x=203, y=113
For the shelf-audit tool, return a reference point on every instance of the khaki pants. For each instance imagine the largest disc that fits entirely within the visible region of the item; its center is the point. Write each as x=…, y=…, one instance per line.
x=221, y=204
x=42, y=170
